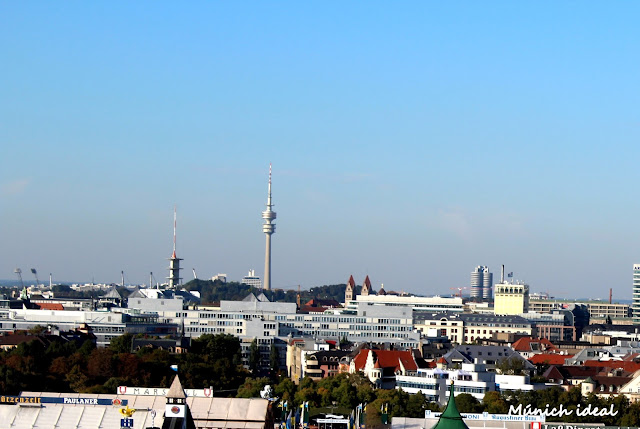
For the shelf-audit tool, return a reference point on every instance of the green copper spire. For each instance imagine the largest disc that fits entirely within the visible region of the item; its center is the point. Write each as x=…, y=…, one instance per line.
x=451, y=418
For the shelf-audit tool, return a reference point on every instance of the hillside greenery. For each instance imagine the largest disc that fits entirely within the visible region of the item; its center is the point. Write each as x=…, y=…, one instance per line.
x=215, y=291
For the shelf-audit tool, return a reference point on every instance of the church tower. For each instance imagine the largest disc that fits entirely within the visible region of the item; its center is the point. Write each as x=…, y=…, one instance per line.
x=366, y=287
x=177, y=414
x=350, y=292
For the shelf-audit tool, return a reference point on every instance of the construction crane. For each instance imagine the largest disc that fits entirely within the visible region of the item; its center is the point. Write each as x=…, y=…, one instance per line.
x=459, y=289
x=35, y=273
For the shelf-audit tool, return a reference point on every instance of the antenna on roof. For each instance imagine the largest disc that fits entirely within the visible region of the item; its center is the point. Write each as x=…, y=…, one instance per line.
x=174, y=229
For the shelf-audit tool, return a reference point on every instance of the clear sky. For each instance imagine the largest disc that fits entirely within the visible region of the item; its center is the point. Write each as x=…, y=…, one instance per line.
x=410, y=141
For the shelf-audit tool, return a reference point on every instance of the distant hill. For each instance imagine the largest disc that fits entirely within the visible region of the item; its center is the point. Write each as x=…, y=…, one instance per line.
x=215, y=291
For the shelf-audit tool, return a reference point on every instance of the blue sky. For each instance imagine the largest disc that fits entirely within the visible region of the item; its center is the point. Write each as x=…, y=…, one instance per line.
x=409, y=141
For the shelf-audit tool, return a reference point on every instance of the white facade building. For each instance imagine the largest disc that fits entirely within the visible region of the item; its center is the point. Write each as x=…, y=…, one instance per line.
x=635, y=306
x=418, y=303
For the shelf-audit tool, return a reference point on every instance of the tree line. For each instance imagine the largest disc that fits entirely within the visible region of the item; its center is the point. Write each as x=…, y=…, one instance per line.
x=59, y=366
x=215, y=360
x=349, y=390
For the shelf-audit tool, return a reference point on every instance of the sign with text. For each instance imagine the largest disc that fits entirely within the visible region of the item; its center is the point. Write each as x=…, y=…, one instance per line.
x=490, y=417
x=148, y=391
x=61, y=400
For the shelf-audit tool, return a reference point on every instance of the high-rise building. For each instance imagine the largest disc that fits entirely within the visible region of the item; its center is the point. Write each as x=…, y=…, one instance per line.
x=635, y=306
x=174, y=261
x=252, y=280
x=481, y=282
x=269, y=227
x=511, y=298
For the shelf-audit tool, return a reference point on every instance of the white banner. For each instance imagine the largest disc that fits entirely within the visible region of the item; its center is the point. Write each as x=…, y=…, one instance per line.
x=490, y=417
x=149, y=391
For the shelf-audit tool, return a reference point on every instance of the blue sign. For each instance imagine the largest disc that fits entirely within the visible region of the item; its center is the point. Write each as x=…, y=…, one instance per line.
x=126, y=423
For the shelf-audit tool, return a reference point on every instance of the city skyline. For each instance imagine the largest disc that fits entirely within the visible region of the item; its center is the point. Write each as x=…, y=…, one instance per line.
x=409, y=143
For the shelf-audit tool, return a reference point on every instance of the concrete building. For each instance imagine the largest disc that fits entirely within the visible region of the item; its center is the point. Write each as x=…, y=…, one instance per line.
x=596, y=309
x=382, y=367
x=252, y=280
x=469, y=327
x=418, y=304
x=471, y=378
x=636, y=294
x=511, y=298
x=105, y=325
x=481, y=282
x=297, y=359
x=557, y=326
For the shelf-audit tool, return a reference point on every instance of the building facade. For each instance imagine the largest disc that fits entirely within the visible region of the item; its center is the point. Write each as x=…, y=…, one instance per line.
x=481, y=282
x=636, y=294
x=511, y=298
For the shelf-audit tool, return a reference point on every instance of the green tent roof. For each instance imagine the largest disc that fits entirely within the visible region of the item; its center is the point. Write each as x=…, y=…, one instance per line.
x=451, y=418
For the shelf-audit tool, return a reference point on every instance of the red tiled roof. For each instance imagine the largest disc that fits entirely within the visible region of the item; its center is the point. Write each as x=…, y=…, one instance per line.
x=526, y=344
x=367, y=282
x=625, y=365
x=351, y=281
x=611, y=380
x=50, y=306
x=15, y=339
x=387, y=359
x=548, y=358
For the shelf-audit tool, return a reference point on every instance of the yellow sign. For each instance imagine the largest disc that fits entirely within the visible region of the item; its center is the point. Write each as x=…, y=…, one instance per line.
x=127, y=412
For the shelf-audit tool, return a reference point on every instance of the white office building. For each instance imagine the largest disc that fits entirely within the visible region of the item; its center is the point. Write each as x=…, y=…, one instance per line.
x=635, y=306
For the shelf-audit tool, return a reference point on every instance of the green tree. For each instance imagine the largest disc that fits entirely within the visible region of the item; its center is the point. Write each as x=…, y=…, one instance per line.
x=467, y=403
x=286, y=389
x=513, y=365
x=254, y=356
x=121, y=344
x=416, y=405
x=494, y=403
x=252, y=387
x=274, y=359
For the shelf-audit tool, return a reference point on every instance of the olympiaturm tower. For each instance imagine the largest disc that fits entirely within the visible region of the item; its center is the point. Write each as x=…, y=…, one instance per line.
x=268, y=228
x=174, y=261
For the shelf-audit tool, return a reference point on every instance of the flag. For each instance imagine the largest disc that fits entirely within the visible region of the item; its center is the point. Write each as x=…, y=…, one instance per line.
x=288, y=423
x=510, y=274
x=383, y=414
x=351, y=420
x=363, y=416
x=33, y=270
x=174, y=367
x=297, y=418
x=305, y=419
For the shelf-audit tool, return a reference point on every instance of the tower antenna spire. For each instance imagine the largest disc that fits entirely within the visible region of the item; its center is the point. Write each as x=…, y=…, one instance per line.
x=174, y=229
x=269, y=227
